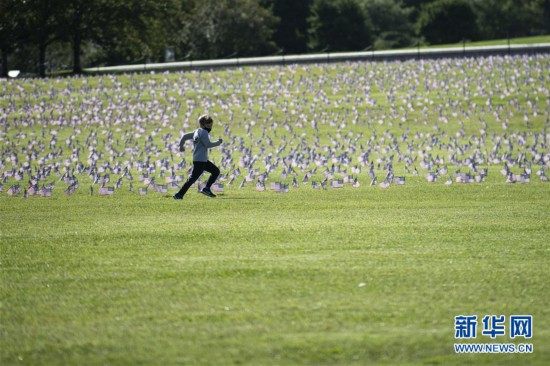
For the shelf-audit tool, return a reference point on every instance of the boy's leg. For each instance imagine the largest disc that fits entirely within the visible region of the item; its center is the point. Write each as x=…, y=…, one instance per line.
x=214, y=173
x=198, y=169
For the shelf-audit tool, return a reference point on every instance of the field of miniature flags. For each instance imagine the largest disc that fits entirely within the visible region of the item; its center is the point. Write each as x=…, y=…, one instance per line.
x=336, y=126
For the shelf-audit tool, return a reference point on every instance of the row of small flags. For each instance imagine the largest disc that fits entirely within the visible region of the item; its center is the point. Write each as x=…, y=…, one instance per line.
x=33, y=191
x=46, y=190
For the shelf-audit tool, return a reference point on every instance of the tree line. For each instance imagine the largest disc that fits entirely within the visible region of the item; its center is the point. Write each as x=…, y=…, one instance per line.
x=40, y=36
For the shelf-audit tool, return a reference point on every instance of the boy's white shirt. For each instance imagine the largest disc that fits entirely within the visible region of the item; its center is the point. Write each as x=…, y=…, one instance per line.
x=201, y=142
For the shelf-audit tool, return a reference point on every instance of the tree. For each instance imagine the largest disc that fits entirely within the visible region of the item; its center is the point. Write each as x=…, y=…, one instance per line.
x=124, y=30
x=448, y=21
x=510, y=18
x=291, y=30
x=12, y=30
x=81, y=20
x=341, y=25
x=391, y=24
x=43, y=17
x=223, y=28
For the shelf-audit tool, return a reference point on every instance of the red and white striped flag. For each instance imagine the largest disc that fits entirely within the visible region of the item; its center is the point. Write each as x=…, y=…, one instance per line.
x=106, y=191
x=283, y=189
x=337, y=183
x=71, y=189
x=161, y=188
x=218, y=187
x=275, y=186
x=45, y=192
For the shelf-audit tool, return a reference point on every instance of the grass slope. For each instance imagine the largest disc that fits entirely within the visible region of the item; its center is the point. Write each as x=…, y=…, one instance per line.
x=310, y=277
x=338, y=276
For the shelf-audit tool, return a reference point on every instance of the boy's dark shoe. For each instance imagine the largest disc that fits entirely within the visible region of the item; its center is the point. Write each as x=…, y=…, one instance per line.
x=177, y=197
x=207, y=192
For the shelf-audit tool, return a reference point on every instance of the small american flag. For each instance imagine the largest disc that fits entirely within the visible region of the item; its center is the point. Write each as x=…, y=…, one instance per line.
x=142, y=191
x=337, y=183
x=356, y=183
x=106, y=191
x=524, y=178
x=71, y=189
x=45, y=192
x=431, y=177
x=161, y=188
x=260, y=186
x=384, y=184
x=11, y=191
x=217, y=187
x=284, y=188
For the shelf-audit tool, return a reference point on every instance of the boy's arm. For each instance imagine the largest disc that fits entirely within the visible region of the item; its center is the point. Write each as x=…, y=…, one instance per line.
x=206, y=140
x=187, y=136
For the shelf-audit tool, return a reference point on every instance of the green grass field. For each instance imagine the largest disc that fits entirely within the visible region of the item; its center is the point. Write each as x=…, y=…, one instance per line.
x=499, y=42
x=352, y=276
x=311, y=277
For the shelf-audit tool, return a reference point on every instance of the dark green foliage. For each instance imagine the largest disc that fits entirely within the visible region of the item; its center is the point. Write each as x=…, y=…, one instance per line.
x=291, y=31
x=391, y=23
x=510, y=18
x=339, y=25
x=224, y=28
x=12, y=25
x=448, y=21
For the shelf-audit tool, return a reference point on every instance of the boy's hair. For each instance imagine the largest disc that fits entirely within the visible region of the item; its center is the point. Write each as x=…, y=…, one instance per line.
x=205, y=120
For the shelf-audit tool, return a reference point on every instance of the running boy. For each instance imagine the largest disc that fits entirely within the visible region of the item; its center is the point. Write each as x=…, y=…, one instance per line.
x=201, y=143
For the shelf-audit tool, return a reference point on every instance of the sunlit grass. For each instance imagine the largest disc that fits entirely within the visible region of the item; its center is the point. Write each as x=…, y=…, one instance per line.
x=339, y=276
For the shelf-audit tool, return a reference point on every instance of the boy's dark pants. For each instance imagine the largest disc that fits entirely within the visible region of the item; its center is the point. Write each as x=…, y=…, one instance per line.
x=200, y=167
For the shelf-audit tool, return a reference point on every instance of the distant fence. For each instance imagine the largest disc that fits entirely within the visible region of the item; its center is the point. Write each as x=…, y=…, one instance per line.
x=408, y=54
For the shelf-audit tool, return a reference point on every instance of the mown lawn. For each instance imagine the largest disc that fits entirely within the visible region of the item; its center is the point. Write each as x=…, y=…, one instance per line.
x=350, y=276
x=310, y=277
